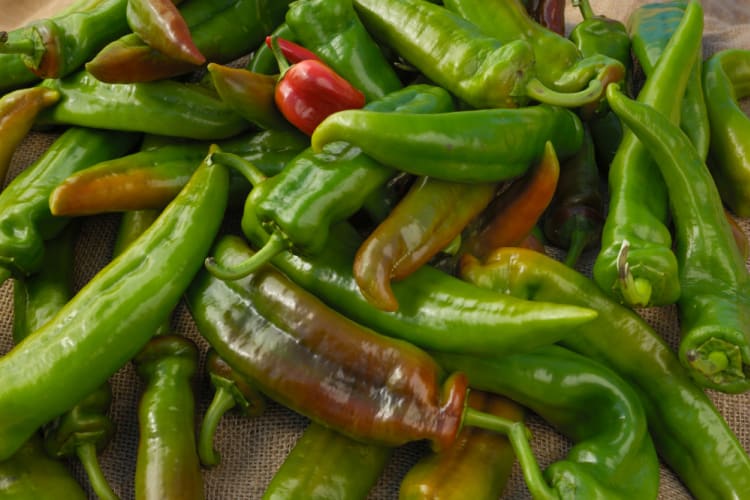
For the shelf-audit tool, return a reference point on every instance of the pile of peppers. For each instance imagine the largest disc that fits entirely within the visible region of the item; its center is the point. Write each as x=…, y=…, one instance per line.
x=377, y=216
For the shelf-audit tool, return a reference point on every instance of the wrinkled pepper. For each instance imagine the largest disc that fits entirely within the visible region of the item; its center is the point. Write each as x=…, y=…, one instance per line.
x=232, y=390
x=651, y=26
x=165, y=107
x=714, y=305
x=59, y=45
x=370, y=387
x=222, y=30
x=613, y=455
x=18, y=110
x=425, y=221
x=316, y=190
x=326, y=465
x=111, y=318
x=690, y=434
x=332, y=30
x=636, y=263
x=25, y=220
x=726, y=80
x=487, y=145
x=479, y=69
x=477, y=466
x=161, y=26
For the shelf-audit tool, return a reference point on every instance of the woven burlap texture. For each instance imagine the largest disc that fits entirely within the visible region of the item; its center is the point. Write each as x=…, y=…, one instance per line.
x=252, y=449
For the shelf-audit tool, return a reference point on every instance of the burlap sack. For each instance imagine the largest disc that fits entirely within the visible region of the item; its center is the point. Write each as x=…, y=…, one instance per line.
x=252, y=449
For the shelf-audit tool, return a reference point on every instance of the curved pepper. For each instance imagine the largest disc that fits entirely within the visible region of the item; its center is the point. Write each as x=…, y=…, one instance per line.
x=613, y=455
x=161, y=26
x=367, y=386
x=60, y=45
x=690, y=434
x=165, y=107
x=425, y=221
x=231, y=390
x=636, y=263
x=332, y=30
x=714, y=305
x=486, y=145
x=167, y=465
x=325, y=464
x=222, y=30
x=480, y=69
x=477, y=466
x=113, y=316
x=18, y=110
x=726, y=80
x=25, y=219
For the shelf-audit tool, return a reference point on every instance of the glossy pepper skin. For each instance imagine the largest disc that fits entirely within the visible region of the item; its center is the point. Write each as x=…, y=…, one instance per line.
x=326, y=465
x=726, y=80
x=30, y=474
x=597, y=34
x=332, y=30
x=59, y=45
x=162, y=27
x=690, y=434
x=222, y=30
x=167, y=465
x=121, y=306
x=165, y=107
x=714, y=305
x=487, y=145
x=613, y=455
x=18, y=110
x=152, y=177
x=478, y=465
x=479, y=69
x=316, y=190
x=636, y=264
x=425, y=221
x=651, y=26
x=26, y=220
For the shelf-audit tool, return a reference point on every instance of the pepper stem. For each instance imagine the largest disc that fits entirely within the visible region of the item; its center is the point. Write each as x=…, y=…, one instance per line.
x=519, y=435
x=24, y=46
x=87, y=455
x=585, y=7
x=246, y=168
x=222, y=402
x=635, y=291
x=540, y=92
x=276, y=243
x=579, y=238
x=279, y=55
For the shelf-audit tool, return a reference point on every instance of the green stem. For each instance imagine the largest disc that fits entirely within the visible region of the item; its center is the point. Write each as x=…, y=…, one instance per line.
x=536, y=90
x=585, y=7
x=280, y=59
x=246, y=168
x=24, y=46
x=87, y=455
x=635, y=292
x=222, y=402
x=578, y=241
x=275, y=244
x=518, y=434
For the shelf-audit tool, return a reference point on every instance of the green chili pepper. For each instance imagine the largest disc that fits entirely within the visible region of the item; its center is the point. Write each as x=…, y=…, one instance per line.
x=486, y=145
x=333, y=31
x=613, y=455
x=689, y=432
x=477, y=466
x=165, y=107
x=326, y=465
x=30, y=474
x=714, y=305
x=113, y=316
x=223, y=30
x=59, y=45
x=726, y=80
x=597, y=34
x=316, y=190
x=167, y=465
x=651, y=26
x=636, y=264
x=480, y=69
x=24, y=211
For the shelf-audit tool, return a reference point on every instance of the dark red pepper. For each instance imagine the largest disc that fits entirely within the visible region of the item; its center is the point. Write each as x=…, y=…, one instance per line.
x=308, y=91
x=293, y=52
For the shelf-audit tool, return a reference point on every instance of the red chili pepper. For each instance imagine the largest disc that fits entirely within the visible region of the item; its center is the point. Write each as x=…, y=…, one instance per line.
x=293, y=52
x=308, y=91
